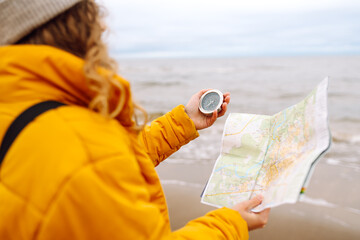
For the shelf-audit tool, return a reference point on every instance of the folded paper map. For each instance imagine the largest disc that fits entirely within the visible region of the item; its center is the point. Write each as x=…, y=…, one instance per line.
x=270, y=155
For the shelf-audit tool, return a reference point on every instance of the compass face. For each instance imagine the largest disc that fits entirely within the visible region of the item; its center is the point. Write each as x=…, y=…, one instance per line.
x=210, y=101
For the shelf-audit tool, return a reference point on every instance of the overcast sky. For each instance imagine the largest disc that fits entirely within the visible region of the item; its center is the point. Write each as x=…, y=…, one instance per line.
x=230, y=28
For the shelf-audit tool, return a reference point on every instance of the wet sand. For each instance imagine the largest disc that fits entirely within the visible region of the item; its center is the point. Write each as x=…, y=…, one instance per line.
x=329, y=210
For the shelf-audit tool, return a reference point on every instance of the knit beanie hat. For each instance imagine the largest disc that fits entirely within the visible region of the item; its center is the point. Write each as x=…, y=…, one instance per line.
x=20, y=17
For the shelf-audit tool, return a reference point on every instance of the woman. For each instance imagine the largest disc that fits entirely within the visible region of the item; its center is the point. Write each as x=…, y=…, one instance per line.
x=86, y=170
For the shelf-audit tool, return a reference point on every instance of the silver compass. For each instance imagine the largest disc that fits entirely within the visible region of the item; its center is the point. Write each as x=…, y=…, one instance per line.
x=211, y=101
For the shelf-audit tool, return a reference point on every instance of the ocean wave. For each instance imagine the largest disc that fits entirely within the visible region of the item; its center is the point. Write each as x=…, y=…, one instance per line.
x=350, y=79
x=355, y=139
x=290, y=95
x=267, y=68
x=345, y=138
x=336, y=220
x=323, y=203
x=341, y=95
x=188, y=161
x=317, y=202
x=348, y=119
x=351, y=164
x=160, y=83
x=181, y=183
x=353, y=210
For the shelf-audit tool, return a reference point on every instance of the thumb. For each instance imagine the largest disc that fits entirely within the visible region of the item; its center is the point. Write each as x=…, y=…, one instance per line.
x=201, y=92
x=253, y=202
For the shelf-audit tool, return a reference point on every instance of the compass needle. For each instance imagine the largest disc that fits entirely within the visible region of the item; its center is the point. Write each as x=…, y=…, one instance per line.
x=211, y=101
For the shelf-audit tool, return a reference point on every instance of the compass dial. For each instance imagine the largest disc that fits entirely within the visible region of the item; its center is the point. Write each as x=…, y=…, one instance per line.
x=211, y=101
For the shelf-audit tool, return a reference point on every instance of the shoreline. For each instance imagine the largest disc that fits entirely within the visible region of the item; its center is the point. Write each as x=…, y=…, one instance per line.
x=326, y=212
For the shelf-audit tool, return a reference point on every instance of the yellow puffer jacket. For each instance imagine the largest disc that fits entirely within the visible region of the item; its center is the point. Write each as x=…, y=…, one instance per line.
x=72, y=174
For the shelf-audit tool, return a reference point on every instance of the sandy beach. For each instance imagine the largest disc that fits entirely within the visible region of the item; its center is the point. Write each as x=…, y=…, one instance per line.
x=311, y=218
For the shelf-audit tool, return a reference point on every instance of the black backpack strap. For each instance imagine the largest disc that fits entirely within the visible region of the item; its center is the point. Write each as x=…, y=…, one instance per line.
x=21, y=121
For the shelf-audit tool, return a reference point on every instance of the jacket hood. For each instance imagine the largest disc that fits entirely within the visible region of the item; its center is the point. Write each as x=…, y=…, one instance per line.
x=39, y=72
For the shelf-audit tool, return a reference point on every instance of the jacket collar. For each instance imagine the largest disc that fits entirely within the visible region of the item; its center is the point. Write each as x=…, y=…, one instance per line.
x=38, y=72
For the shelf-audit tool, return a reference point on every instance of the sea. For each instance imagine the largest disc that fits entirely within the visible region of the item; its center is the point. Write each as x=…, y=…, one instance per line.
x=257, y=85
x=264, y=85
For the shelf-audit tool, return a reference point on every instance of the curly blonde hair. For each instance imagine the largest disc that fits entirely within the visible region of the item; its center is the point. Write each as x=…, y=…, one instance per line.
x=79, y=31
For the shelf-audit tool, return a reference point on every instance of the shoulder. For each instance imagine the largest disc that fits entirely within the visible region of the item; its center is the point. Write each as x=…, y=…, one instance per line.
x=95, y=134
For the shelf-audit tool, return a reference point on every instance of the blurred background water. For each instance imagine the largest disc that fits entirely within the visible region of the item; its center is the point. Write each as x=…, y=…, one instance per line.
x=257, y=85
x=262, y=85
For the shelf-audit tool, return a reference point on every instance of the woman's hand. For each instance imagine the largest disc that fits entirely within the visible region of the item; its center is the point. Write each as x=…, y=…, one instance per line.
x=201, y=120
x=254, y=219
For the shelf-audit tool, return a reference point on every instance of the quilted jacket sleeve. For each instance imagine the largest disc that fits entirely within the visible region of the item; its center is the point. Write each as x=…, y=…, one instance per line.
x=167, y=134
